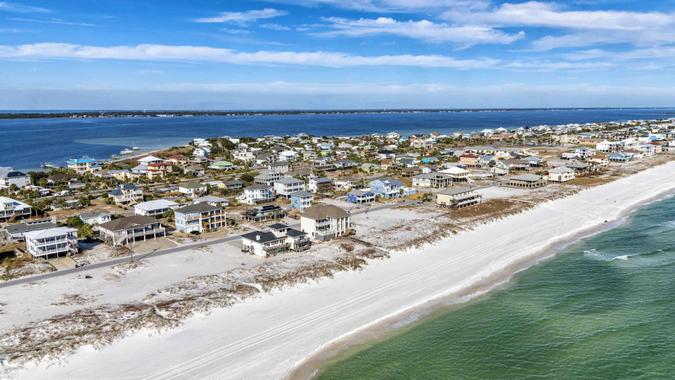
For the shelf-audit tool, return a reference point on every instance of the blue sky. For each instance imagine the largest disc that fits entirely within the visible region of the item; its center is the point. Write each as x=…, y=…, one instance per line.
x=321, y=54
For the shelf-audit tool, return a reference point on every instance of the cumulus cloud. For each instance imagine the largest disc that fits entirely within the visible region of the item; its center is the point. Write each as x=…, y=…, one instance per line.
x=421, y=30
x=243, y=17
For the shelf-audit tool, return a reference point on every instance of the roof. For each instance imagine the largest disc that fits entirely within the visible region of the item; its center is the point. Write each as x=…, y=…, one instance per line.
x=261, y=236
x=49, y=232
x=155, y=204
x=324, y=211
x=457, y=191
x=258, y=187
x=197, y=208
x=127, y=222
x=302, y=194
x=14, y=229
x=211, y=199
x=93, y=214
x=192, y=185
x=149, y=159
x=526, y=178
x=360, y=193
x=278, y=226
x=393, y=182
x=82, y=160
x=322, y=180
x=288, y=180
x=561, y=169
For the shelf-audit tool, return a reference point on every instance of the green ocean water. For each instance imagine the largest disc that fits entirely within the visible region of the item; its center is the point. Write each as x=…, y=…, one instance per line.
x=603, y=309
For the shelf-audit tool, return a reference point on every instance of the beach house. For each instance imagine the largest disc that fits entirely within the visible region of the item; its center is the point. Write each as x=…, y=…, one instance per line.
x=222, y=165
x=526, y=181
x=267, y=212
x=361, y=197
x=130, y=229
x=10, y=177
x=267, y=178
x=158, y=169
x=560, y=174
x=192, y=189
x=458, y=198
x=126, y=194
x=155, y=208
x=301, y=200
x=52, y=242
x=147, y=160
x=95, y=217
x=286, y=186
x=325, y=222
x=278, y=239
x=83, y=165
x=433, y=180
x=320, y=184
x=16, y=232
x=199, y=217
x=387, y=188
x=255, y=194
x=11, y=208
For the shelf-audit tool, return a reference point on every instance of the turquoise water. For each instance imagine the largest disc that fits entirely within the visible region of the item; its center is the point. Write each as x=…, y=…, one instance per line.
x=602, y=309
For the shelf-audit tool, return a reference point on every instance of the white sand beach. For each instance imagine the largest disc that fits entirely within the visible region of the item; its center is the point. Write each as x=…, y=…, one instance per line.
x=269, y=336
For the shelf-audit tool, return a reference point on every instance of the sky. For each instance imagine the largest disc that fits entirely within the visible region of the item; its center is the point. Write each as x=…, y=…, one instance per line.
x=335, y=54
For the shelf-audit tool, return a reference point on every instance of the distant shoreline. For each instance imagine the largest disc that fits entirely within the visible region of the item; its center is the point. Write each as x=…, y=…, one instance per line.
x=64, y=114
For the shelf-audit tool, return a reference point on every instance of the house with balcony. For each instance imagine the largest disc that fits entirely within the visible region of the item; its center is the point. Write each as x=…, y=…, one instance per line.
x=286, y=186
x=325, y=222
x=9, y=177
x=458, y=198
x=434, y=180
x=156, y=207
x=199, y=217
x=526, y=181
x=16, y=232
x=267, y=212
x=126, y=194
x=387, y=188
x=83, y=165
x=130, y=229
x=561, y=174
x=256, y=194
x=52, y=242
x=267, y=178
x=361, y=197
x=301, y=200
x=158, y=169
x=11, y=208
x=278, y=239
x=320, y=184
x=193, y=189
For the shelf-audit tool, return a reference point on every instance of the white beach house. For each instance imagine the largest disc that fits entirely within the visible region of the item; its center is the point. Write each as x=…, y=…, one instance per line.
x=156, y=207
x=199, y=217
x=52, y=242
x=324, y=222
x=11, y=208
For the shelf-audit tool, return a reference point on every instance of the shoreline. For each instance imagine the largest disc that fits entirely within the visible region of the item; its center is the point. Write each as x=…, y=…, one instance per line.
x=260, y=336
x=391, y=326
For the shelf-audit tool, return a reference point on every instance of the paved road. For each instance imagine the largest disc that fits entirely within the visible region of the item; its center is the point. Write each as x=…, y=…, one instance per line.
x=112, y=262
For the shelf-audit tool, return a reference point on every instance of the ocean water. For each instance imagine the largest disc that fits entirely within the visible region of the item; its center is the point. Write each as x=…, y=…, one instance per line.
x=603, y=309
x=25, y=144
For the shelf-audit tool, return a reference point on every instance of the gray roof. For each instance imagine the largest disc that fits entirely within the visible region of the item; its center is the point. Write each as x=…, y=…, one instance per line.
x=302, y=194
x=457, y=191
x=128, y=222
x=288, y=180
x=197, y=208
x=526, y=178
x=14, y=229
x=324, y=211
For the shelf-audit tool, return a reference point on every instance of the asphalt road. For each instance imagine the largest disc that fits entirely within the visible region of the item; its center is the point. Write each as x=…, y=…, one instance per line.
x=112, y=262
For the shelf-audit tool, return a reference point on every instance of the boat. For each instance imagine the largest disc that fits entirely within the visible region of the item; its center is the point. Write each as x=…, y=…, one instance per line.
x=135, y=148
x=126, y=151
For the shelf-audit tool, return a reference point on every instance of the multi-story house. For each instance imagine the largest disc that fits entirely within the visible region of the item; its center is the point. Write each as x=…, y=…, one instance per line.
x=83, y=165
x=158, y=169
x=156, y=207
x=131, y=229
x=52, y=242
x=324, y=222
x=386, y=188
x=255, y=194
x=320, y=184
x=560, y=174
x=193, y=189
x=458, y=198
x=9, y=177
x=360, y=197
x=126, y=194
x=11, y=208
x=286, y=186
x=199, y=217
x=267, y=178
x=301, y=200
x=280, y=238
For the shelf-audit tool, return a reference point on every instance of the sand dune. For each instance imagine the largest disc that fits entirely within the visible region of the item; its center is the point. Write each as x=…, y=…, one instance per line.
x=269, y=336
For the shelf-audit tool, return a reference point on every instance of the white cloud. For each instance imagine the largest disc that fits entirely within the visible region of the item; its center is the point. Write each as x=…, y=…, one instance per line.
x=243, y=17
x=391, y=5
x=7, y=6
x=152, y=52
x=542, y=14
x=422, y=30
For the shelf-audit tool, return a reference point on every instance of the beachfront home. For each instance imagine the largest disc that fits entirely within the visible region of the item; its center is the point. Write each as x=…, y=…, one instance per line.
x=199, y=217
x=320, y=184
x=158, y=169
x=280, y=238
x=233, y=184
x=619, y=157
x=267, y=178
x=526, y=181
x=155, y=208
x=469, y=160
x=458, y=198
x=282, y=167
x=95, y=217
x=456, y=173
x=267, y=212
x=130, y=229
x=255, y=194
x=386, y=188
x=300, y=200
x=147, y=160
x=433, y=180
x=83, y=165
x=212, y=200
x=11, y=208
x=361, y=197
x=286, y=186
x=324, y=222
x=52, y=242
x=560, y=174
x=126, y=194
x=16, y=232
x=9, y=177
x=192, y=189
